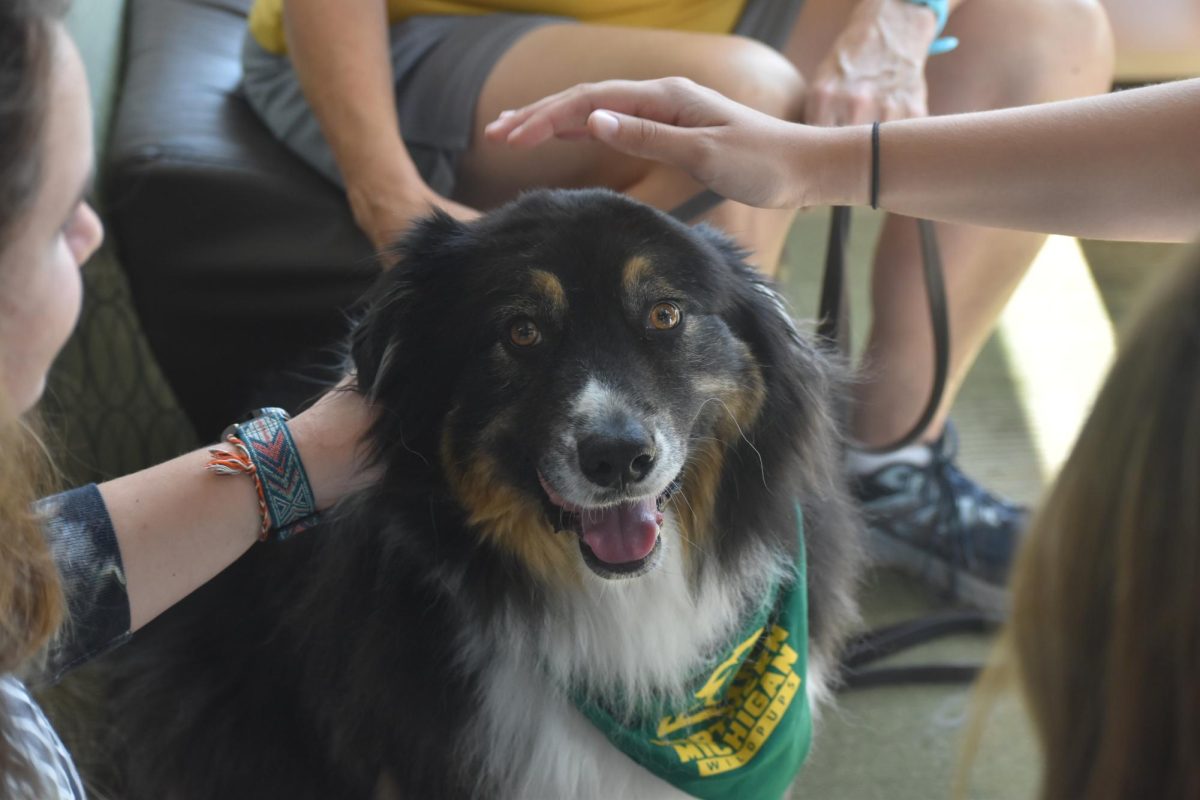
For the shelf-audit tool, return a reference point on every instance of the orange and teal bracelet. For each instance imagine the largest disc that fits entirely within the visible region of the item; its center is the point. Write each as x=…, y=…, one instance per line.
x=264, y=450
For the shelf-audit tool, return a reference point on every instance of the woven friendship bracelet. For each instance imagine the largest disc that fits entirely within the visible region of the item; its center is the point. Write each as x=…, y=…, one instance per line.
x=238, y=462
x=264, y=450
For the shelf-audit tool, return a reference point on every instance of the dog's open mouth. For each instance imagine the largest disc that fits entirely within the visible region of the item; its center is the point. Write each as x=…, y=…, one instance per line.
x=617, y=541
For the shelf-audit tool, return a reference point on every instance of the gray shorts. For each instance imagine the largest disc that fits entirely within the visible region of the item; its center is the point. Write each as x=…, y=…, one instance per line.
x=439, y=64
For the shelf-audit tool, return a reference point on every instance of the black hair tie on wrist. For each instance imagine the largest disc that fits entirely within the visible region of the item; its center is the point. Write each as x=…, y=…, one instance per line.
x=875, y=164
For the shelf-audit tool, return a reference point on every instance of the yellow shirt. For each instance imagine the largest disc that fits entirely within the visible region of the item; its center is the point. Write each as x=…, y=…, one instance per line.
x=709, y=16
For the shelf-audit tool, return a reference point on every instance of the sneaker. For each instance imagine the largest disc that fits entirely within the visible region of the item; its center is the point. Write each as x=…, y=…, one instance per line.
x=933, y=521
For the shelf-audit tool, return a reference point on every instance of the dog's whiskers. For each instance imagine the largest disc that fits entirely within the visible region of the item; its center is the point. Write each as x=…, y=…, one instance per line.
x=761, y=466
x=408, y=449
x=682, y=495
x=741, y=432
x=700, y=410
x=699, y=548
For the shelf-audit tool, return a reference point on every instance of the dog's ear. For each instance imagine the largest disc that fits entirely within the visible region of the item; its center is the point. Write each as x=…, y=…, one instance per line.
x=798, y=437
x=798, y=428
x=401, y=347
x=400, y=299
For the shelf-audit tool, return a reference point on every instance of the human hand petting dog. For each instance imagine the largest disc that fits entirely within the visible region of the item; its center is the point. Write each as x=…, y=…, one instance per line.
x=740, y=153
x=1054, y=167
x=330, y=438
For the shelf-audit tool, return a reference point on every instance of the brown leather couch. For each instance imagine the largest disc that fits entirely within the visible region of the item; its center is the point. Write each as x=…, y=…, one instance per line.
x=242, y=260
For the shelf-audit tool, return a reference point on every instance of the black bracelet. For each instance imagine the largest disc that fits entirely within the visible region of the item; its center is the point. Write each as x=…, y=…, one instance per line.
x=875, y=164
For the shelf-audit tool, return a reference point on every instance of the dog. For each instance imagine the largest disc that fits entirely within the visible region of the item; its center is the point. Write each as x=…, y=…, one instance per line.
x=599, y=434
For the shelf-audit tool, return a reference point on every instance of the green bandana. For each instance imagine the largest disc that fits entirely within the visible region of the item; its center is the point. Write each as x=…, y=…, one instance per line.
x=749, y=727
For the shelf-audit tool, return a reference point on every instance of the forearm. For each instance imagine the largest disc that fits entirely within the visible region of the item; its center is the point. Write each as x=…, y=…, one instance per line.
x=1118, y=166
x=178, y=525
x=341, y=56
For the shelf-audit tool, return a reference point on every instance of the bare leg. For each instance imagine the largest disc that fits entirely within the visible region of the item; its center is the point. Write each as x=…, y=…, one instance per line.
x=1012, y=52
x=555, y=57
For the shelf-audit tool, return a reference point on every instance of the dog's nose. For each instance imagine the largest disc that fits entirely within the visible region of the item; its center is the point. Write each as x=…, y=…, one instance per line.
x=617, y=457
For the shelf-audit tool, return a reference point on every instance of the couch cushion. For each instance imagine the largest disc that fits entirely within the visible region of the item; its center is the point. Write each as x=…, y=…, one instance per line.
x=241, y=258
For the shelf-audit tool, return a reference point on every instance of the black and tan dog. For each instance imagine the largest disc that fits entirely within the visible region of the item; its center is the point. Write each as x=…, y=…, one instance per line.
x=598, y=429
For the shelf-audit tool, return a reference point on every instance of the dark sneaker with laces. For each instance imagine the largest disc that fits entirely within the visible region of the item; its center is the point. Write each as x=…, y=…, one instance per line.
x=933, y=521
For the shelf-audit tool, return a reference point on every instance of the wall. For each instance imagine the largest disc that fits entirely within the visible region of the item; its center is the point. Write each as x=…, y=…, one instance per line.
x=96, y=27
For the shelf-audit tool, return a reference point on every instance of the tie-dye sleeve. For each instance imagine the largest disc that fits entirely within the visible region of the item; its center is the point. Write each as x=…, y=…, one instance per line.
x=81, y=537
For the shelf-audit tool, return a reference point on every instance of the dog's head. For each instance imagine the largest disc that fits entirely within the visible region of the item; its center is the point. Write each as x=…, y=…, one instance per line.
x=575, y=367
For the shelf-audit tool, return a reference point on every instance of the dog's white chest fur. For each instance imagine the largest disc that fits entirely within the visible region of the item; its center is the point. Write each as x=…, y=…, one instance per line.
x=538, y=746
x=640, y=637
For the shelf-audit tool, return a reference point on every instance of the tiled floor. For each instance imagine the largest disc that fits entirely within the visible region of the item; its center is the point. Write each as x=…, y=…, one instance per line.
x=1017, y=414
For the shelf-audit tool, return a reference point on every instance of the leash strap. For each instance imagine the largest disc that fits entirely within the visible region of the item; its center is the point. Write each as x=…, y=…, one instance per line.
x=697, y=205
x=833, y=328
x=872, y=646
x=833, y=318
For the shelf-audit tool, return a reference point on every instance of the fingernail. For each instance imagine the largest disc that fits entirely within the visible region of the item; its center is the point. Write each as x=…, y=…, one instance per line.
x=506, y=113
x=605, y=123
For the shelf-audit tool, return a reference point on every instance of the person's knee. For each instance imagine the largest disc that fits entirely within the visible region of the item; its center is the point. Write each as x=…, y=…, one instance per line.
x=1016, y=52
x=755, y=75
x=1076, y=39
x=1081, y=27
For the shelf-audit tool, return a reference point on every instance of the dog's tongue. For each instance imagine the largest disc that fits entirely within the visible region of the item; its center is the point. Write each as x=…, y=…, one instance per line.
x=624, y=533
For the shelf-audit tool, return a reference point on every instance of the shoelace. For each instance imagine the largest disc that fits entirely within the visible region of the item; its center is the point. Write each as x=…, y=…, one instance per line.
x=948, y=522
x=953, y=487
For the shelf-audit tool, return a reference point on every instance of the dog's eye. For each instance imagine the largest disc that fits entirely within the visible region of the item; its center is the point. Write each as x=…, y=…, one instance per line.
x=665, y=316
x=524, y=333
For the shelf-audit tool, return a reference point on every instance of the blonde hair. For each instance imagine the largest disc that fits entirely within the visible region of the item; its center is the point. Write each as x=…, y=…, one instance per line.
x=31, y=599
x=1103, y=640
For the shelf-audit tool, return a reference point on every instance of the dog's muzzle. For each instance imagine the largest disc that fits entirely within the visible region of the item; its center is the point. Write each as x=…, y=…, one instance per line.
x=622, y=540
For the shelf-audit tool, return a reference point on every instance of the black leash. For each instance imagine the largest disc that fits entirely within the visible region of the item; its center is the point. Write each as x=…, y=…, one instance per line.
x=833, y=324
x=880, y=643
x=833, y=328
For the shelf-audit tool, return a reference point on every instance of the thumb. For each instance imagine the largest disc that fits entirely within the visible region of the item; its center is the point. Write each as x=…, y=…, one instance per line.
x=642, y=137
